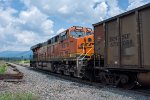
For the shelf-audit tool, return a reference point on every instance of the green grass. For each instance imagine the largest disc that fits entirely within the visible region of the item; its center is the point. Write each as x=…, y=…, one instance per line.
x=22, y=61
x=25, y=61
x=3, y=67
x=18, y=96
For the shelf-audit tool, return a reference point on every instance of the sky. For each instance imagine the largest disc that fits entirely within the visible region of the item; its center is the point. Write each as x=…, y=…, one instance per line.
x=24, y=23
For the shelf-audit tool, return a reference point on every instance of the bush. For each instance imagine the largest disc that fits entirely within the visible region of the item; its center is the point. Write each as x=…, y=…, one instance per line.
x=2, y=69
x=18, y=96
x=25, y=61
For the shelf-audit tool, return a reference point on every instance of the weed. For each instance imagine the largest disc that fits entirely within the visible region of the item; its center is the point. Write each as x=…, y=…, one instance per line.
x=18, y=96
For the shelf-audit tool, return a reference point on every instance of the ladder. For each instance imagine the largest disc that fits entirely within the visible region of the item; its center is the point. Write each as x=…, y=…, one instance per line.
x=81, y=60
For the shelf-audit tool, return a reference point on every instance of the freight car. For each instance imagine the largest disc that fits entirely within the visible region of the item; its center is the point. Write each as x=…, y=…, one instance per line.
x=65, y=53
x=122, y=43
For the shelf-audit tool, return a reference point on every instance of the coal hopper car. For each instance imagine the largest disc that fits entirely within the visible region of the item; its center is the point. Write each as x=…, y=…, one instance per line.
x=122, y=49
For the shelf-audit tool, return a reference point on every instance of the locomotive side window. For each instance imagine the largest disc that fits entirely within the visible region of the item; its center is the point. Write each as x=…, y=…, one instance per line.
x=53, y=40
x=88, y=33
x=49, y=41
x=64, y=36
x=56, y=38
x=77, y=33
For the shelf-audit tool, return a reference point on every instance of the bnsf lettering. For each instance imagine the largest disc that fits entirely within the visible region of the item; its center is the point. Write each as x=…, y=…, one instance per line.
x=114, y=39
x=126, y=42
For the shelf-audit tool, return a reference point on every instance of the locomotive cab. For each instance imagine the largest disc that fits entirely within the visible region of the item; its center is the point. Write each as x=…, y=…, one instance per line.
x=76, y=41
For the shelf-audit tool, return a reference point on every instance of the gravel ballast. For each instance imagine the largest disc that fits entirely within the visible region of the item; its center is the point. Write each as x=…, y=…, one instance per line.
x=47, y=87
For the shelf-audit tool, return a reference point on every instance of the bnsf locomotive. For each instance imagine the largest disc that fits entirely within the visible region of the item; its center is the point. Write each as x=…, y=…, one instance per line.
x=65, y=53
x=121, y=50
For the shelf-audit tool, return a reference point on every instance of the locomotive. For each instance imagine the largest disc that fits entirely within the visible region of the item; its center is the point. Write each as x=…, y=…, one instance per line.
x=117, y=53
x=65, y=53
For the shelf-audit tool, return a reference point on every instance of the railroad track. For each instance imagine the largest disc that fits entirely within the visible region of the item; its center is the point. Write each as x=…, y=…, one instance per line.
x=140, y=90
x=73, y=79
x=143, y=90
x=12, y=74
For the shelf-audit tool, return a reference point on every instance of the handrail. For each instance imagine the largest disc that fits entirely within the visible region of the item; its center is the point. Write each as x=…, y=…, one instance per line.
x=79, y=57
x=82, y=53
x=86, y=53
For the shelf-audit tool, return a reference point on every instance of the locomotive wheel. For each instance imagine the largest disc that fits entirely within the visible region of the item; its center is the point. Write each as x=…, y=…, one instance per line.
x=127, y=81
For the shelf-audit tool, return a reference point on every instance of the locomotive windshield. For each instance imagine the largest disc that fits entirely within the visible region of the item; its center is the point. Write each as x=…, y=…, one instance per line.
x=77, y=33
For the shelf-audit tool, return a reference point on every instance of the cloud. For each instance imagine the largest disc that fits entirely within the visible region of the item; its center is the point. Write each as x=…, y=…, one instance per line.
x=34, y=20
x=100, y=10
x=28, y=28
x=114, y=8
x=60, y=30
x=26, y=37
x=64, y=9
x=135, y=3
x=84, y=12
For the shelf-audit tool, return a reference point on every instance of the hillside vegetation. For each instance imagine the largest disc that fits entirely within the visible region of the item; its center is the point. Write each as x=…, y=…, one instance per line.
x=3, y=67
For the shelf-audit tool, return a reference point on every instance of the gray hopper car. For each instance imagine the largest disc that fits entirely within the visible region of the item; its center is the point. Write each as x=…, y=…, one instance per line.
x=123, y=44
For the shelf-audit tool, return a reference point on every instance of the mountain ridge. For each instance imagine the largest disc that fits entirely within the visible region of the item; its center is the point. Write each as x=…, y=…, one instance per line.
x=16, y=54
